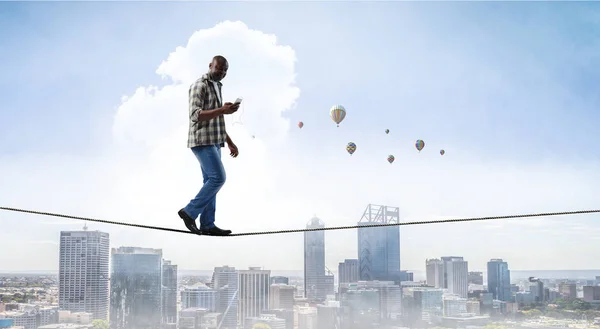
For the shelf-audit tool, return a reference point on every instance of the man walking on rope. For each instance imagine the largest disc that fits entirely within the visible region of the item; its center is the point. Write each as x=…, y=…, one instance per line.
x=206, y=137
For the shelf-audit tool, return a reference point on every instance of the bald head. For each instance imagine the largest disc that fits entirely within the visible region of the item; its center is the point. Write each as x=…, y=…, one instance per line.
x=218, y=68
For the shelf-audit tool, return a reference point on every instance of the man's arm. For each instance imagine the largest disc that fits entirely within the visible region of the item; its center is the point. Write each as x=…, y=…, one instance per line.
x=228, y=140
x=197, y=103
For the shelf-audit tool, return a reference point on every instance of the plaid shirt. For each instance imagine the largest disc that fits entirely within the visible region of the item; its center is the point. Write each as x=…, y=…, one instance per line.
x=203, y=96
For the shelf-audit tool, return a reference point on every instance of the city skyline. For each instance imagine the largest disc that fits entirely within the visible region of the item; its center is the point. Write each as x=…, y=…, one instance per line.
x=145, y=288
x=514, y=108
x=421, y=272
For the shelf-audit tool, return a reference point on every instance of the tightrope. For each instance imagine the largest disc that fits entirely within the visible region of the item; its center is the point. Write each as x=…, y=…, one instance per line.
x=452, y=220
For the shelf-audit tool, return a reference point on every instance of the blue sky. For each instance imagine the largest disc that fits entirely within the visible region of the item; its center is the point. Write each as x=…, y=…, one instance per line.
x=508, y=89
x=95, y=52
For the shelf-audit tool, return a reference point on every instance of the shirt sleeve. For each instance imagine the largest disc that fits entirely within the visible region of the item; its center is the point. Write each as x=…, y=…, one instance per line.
x=196, y=101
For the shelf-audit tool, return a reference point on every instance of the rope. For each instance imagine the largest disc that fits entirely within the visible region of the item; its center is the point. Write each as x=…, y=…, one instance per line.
x=453, y=220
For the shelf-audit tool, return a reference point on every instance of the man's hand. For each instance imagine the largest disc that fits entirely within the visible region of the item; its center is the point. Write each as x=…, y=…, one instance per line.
x=229, y=108
x=233, y=150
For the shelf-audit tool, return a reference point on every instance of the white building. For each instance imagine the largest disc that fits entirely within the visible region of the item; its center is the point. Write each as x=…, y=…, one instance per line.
x=199, y=295
x=454, y=305
x=281, y=297
x=83, y=272
x=253, y=286
x=457, y=276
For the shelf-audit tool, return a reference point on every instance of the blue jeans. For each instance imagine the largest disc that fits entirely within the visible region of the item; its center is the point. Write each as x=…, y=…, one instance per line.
x=205, y=202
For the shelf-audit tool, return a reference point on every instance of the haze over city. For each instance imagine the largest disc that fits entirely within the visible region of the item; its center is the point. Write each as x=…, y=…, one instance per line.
x=505, y=89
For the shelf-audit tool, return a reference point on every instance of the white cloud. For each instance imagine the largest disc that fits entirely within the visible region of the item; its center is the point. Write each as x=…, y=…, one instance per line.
x=155, y=120
x=275, y=184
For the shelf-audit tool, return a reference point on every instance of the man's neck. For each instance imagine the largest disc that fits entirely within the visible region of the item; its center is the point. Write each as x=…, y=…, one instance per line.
x=211, y=78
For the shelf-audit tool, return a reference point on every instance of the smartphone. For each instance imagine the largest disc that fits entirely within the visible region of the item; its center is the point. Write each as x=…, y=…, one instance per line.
x=238, y=101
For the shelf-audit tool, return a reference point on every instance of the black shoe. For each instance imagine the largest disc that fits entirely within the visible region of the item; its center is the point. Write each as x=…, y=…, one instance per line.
x=215, y=231
x=190, y=223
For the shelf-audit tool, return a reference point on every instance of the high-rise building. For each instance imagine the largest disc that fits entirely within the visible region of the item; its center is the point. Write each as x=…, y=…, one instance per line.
x=199, y=296
x=498, y=280
x=254, y=284
x=136, y=288
x=426, y=304
x=317, y=285
x=568, y=290
x=476, y=278
x=225, y=281
x=456, y=272
x=435, y=273
x=348, y=271
x=591, y=294
x=379, y=247
x=281, y=297
x=83, y=272
x=169, y=293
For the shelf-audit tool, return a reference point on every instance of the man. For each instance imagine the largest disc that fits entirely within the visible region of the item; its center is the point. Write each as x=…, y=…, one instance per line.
x=206, y=137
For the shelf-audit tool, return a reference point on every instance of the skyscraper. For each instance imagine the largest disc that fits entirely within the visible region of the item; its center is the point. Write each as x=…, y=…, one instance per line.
x=281, y=297
x=435, y=273
x=498, y=280
x=379, y=247
x=476, y=278
x=136, y=288
x=317, y=285
x=83, y=272
x=225, y=281
x=456, y=272
x=348, y=271
x=254, y=284
x=169, y=293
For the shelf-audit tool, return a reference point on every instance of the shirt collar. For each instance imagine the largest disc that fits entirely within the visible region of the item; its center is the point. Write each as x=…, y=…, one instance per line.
x=207, y=78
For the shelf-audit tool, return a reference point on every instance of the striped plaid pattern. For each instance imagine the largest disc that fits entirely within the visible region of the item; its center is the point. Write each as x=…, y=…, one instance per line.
x=203, y=96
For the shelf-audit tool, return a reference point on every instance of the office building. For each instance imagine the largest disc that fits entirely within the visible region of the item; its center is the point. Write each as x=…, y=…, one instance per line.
x=225, y=281
x=254, y=284
x=348, y=271
x=169, y=293
x=456, y=272
x=379, y=247
x=136, y=288
x=83, y=274
x=317, y=284
x=498, y=280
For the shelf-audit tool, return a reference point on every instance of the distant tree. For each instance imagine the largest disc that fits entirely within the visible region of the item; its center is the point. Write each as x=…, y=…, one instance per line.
x=100, y=324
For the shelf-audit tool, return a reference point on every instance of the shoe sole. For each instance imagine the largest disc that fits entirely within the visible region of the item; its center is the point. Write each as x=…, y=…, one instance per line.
x=187, y=224
x=212, y=234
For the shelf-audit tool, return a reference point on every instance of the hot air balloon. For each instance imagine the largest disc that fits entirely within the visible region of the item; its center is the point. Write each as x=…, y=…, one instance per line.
x=387, y=131
x=351, y=148
x=300, y=124
x=391, y=158
x=442, y=152
x=337, y=114
x=419, y=145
